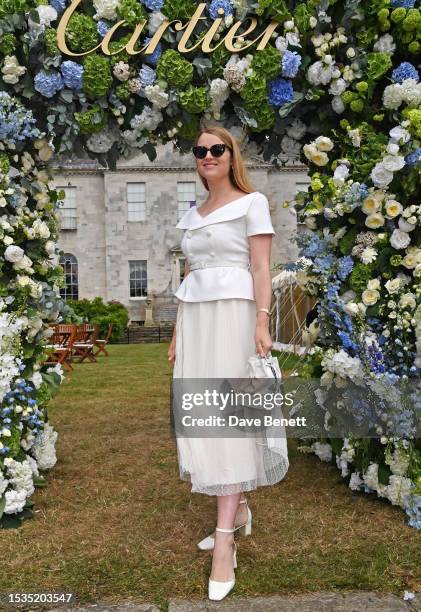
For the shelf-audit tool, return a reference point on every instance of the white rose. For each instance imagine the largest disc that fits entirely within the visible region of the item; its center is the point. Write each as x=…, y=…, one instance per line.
x=337, y=86
x=370, y=297
x=399, y=135
x=323, y=143
x=22, y=280
x=370, y=205
x=393, y=149
x=374, y=283
x=393, y=163
x=393, y=285
x=14, y=254
x=338, y=105
x=381, y=176
x=405, y=226
x=375, y=220
x=340, y=175
x=408, y=299
x=7, y=240
x=351, y=308
x=41, y=229
x=409, y=261
x=399, y=239
x=393, y=208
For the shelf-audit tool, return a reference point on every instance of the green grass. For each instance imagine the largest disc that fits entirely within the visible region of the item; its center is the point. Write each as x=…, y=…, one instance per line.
x=115, y=523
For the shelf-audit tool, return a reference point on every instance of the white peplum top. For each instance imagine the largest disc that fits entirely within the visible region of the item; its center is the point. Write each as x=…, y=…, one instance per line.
x=217, y=248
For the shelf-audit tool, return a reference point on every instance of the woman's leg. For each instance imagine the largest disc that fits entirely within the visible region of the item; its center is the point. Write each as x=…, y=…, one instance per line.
x=227, y=506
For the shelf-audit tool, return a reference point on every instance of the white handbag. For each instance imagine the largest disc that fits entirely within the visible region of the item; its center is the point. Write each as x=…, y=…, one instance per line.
x=265, y=367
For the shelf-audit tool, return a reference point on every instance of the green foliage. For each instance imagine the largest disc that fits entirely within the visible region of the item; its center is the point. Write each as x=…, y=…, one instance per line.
x=178, y=9
x=174, y=69
x=360, y=276
x=97, y=77
x=92, y=120
x=132, y=11
x=195, y=99
x=96, y=311
x=7, y=44
x=81, y=33
x=267, y=63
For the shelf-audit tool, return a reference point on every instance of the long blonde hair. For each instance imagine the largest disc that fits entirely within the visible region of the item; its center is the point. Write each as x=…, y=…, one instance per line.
x=238, y=171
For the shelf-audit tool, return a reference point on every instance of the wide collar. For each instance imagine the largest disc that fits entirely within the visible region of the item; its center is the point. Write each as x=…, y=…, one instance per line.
x=232, y=210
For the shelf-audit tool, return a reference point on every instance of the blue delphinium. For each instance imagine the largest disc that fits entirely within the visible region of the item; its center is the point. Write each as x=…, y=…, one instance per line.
x=48, y=83
x=280, y=92
x=16, y=122
x=413, y=158
x=59, y=5
x=405, y=71
x=152, y=58
x=153, y=5
x=217, y=4
x=102, y=27
x=403, y=3
x=345, y=267
x=147, y=76
x=291, y=62
x=72, y=74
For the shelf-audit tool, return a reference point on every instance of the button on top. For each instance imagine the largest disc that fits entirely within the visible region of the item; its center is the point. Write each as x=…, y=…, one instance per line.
x=212, y=254
x=208, y=233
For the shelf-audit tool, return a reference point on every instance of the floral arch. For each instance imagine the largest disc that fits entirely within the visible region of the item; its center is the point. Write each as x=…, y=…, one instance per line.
x=337, y=81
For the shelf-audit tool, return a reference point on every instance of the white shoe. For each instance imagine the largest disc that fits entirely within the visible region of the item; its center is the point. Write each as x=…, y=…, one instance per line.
x=209, y=542
x=217, y=590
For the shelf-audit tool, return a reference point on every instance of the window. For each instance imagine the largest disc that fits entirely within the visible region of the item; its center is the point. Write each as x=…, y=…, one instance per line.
x=68, y=208
x=70, y=267
x=138, y=278
x=136, y=201
x=186, y=196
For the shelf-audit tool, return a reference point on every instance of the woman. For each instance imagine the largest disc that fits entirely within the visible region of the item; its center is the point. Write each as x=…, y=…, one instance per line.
x=222, y=320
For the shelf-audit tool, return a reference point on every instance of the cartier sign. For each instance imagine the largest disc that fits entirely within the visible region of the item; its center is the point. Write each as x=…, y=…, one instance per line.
x=204, y=43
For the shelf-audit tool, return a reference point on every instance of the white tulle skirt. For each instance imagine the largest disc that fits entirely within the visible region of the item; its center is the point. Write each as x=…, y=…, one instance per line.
x=214, y=339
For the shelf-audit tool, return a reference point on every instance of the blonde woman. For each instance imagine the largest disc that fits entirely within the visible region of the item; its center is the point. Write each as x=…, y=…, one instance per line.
x=222, y=320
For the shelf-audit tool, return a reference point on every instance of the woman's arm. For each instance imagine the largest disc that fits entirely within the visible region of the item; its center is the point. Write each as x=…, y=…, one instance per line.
x=171, y=348
x=260, y=248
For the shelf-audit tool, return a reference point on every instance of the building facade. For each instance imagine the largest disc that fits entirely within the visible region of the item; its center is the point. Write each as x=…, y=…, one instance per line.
x=118, y=233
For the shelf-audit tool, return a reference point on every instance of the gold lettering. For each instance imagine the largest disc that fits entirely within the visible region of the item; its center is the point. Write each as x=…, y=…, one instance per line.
x=107, y=39
x=190, y=25
x=207, y=39
x=61, y=29
x=228, y=40
x=130, y=45
x=266, y=35
x=153, y=43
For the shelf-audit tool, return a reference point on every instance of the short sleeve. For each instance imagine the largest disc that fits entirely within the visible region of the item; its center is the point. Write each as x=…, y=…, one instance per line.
x=258, y=216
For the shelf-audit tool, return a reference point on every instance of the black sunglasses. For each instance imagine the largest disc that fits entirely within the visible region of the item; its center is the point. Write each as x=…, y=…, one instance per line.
x=216, y=150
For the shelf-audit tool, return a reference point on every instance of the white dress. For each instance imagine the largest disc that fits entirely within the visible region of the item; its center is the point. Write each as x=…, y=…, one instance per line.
x=216, y=322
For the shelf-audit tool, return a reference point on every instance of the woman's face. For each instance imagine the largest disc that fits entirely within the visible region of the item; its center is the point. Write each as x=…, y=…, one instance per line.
x=213, y=167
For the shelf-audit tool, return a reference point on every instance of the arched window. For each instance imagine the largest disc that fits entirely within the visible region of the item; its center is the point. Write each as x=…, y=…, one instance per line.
x=70, y=267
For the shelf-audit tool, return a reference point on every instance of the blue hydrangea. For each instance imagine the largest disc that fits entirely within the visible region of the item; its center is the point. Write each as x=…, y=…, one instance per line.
x=152, y=58
x=405, y=71
x=217, y=4
x=147, y=76
x=72, y=74
x=59, y=5
x=153, y=5
x=102, y=27
x=280, y=92
x=16, y=123
x=403, y=3
x=291, y=62
x=48, y=83
x=413, y=158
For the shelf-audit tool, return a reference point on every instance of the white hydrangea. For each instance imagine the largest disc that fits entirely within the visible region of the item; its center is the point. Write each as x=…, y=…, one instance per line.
x=148, y=120
x=338, y=105
x=20, y=475
x=11, y=69
x=371, y=476
x=219, y=92
x=398, y=461
x=392, y=96
x=157, y=96
x=323, y=451
x=106, y=9
x=398, y=491
x=297, y=129
x=355, y=481
x=101, y=142
x=342, y=364
x=155, y=20
x=47, y=14
x=44, y=448
x=385, y=44
x=15, y=501
x=411, y=92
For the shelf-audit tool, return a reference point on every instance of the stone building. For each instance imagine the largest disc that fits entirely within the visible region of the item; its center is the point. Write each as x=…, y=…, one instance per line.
x=118, y=233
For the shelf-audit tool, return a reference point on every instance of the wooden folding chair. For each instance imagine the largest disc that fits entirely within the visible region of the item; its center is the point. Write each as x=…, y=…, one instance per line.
x=101, y=343
x=83, y=346
x=59, y=349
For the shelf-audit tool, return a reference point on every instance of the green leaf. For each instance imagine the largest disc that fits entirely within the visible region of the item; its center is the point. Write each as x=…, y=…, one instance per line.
x=384, y=474
x=2, y=505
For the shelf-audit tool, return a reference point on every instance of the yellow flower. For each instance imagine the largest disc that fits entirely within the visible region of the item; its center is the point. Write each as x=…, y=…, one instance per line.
x=374, y=220
x=393, y=208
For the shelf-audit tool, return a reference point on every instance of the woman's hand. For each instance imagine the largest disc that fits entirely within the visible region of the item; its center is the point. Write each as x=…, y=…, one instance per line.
x=171, y=351
x=262, y=338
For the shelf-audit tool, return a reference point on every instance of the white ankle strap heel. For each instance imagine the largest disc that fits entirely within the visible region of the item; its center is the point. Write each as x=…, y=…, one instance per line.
x=218, y=590
x=209, y=542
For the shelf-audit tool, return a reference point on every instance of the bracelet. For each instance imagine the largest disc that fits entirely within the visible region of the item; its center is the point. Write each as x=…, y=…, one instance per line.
x=264, y=310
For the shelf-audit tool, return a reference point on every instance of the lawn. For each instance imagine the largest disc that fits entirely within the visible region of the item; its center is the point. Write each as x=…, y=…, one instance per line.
x=115, y=523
